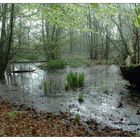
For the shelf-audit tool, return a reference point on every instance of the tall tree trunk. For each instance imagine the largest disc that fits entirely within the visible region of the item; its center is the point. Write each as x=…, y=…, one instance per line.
x=91, y=36
x=71, y=41
x=7, y=43
x=107, y=43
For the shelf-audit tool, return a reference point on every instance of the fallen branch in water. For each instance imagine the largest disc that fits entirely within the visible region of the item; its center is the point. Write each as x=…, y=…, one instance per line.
x=21, y=71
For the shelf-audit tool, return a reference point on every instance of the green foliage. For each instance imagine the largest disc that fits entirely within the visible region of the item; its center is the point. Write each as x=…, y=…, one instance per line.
x=81, y=98
x=102, y=62
x=77, y=61
x=42, y=66
x=137, y=21
x=95, y=5
x=53, y=64
x=77, y=118
x=75, y=80
x=26, y=57
x=32, y=56
x=56, y=64
x=65, y=16
x=11, y=115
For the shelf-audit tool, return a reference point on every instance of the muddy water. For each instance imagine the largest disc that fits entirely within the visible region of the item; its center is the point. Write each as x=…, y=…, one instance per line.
x=106, y=98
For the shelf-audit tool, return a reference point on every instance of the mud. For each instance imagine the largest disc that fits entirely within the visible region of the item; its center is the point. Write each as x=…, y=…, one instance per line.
x=106, y=98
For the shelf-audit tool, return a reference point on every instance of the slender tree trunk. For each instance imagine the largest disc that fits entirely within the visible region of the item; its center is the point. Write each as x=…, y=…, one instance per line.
x=107, y=45
x=7, y=43
x=91, y=37
x=71, y=41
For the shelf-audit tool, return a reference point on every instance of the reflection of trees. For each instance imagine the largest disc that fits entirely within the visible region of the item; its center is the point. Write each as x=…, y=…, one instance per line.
x=54, y=83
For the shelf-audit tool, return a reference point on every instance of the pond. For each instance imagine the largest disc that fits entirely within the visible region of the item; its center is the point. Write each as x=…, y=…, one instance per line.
x=106, y=97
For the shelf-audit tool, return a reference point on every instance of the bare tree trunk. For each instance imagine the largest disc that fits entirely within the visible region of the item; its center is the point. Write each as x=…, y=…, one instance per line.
x=107, y=45
x=91, y=36
x=71, y=41
x=7, y=43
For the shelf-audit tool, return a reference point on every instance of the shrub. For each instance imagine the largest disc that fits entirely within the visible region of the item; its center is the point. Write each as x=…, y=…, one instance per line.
x=53, y=64
x=81, y=98
x=76, y=61
x=32, y=56
x=75, y=80
x=56, y=64
x=102, y=62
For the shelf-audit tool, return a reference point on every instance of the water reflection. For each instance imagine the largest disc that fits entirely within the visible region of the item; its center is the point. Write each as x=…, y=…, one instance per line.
x=28, y=82
x=104, y=89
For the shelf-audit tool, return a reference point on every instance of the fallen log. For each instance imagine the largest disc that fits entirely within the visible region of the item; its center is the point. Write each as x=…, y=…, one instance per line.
x=21, y=71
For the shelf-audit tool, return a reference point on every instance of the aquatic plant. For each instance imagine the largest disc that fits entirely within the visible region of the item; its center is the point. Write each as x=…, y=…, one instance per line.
x=77, y=118
x=75, y=80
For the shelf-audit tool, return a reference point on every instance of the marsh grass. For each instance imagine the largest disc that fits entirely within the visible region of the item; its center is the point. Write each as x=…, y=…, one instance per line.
x=75, y=80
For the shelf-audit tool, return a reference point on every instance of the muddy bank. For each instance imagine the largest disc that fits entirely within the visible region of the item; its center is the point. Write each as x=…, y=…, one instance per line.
x=106, y=98
x=28, y=122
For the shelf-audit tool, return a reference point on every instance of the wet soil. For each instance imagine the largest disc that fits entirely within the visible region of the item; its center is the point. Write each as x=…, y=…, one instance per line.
x=28, y=122
x=106, y=98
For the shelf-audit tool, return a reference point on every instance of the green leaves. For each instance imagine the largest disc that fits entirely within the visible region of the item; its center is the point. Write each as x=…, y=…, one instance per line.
x=95, y=5
x=65, y=15
x=137, y=21
x=137, y=24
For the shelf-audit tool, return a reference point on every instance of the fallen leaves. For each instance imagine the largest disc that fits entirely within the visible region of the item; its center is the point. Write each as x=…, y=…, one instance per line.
x=32, y=123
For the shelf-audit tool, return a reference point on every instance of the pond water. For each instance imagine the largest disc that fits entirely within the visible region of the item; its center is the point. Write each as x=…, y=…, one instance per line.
x=106, y=98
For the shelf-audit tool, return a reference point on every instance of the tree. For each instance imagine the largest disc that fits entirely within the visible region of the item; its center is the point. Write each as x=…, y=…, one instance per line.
x=6, y=36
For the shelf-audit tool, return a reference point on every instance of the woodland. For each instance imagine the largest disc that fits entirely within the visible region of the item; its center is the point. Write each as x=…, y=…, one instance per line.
x=69, y=69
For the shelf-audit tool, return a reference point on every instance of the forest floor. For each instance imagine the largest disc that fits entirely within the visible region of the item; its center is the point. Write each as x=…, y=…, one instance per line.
x=16, y=121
